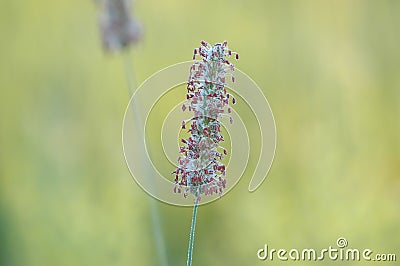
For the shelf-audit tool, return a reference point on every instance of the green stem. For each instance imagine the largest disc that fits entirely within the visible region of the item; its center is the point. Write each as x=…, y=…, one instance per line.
x=191, y=238
x=154, y=211
x=128, y=67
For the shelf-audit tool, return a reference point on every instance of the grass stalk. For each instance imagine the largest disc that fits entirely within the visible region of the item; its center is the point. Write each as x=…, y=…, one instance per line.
x=191, y=236
x=154, y=211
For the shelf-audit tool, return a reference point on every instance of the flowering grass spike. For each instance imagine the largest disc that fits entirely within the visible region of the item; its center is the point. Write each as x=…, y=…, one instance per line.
x=200, y=169
x=118, y=26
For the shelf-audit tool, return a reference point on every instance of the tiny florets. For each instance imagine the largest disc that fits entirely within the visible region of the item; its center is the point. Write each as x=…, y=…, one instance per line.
x=200, y=170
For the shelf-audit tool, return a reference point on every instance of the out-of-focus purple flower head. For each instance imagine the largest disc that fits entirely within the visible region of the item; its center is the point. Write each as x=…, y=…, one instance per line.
x=118, y=26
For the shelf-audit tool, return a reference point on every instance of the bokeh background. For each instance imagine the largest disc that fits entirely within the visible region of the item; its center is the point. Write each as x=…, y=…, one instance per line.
x=330, y=71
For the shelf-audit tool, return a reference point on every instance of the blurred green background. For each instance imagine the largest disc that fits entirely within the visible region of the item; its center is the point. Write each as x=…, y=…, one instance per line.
x=329, y=69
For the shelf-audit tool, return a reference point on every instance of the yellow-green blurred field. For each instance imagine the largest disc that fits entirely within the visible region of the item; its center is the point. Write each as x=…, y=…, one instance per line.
x=330, y=71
